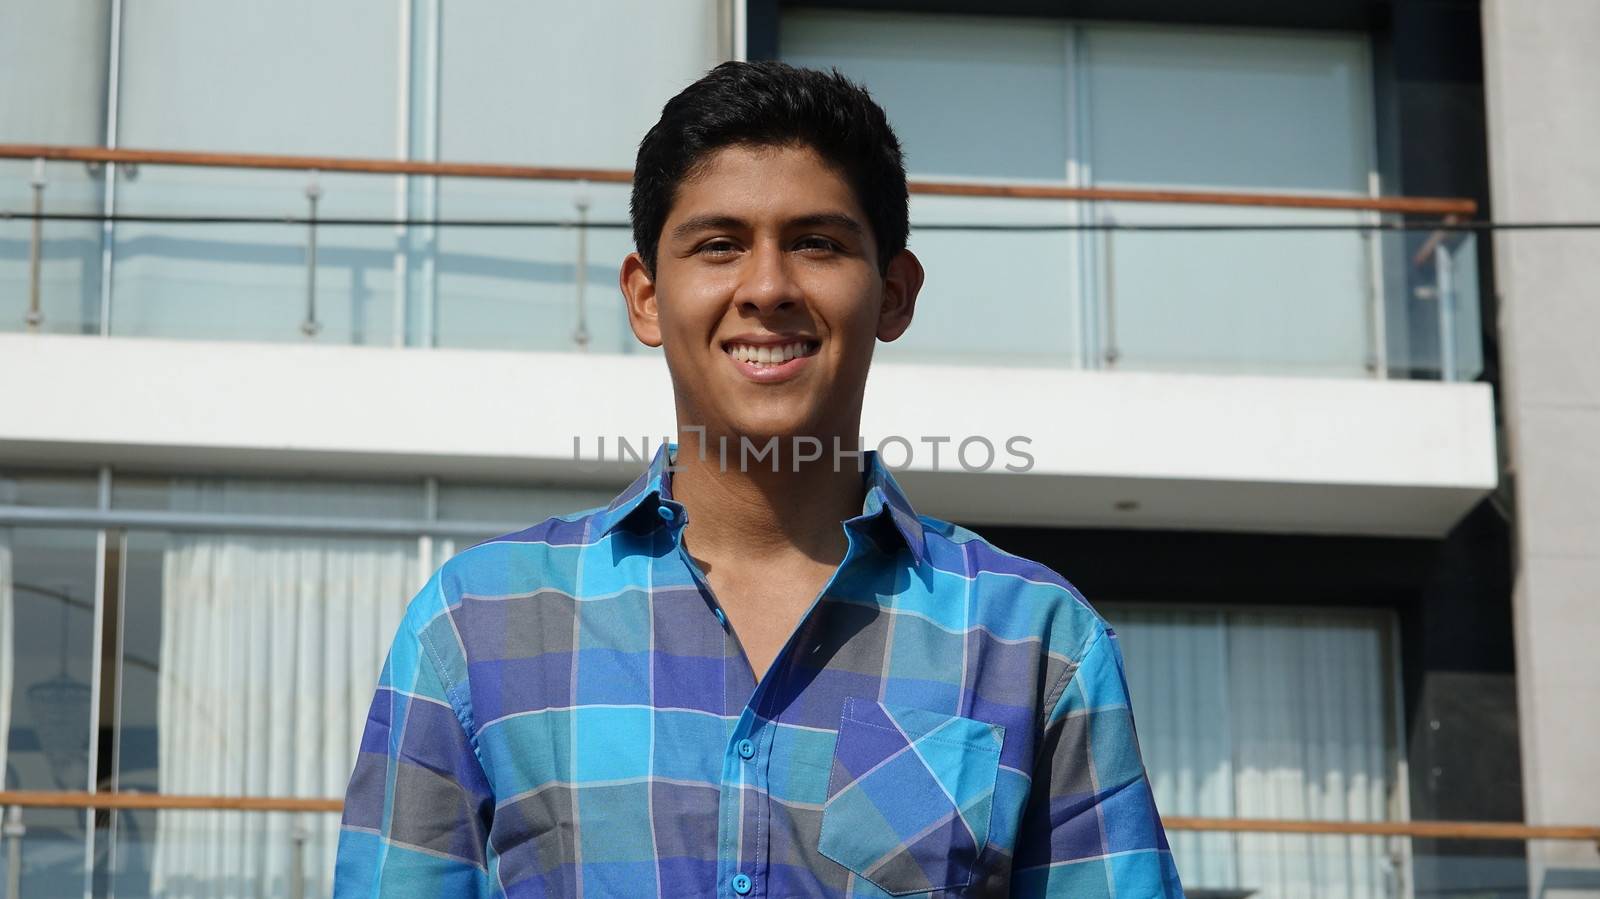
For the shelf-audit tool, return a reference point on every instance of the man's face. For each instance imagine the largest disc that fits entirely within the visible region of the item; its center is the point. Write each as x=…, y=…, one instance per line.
x=767, y=297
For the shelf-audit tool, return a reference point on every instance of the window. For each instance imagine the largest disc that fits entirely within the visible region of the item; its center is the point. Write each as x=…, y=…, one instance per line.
x=244, y=620
x=1279, y=713
x=1029, y=100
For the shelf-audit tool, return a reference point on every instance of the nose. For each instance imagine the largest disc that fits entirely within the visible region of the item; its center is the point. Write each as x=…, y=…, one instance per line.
x=766, y=284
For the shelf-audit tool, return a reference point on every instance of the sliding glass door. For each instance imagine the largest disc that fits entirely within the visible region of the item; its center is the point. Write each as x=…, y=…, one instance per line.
x=1270, y=713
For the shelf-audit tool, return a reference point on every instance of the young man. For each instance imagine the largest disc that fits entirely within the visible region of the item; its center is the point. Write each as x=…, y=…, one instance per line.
x=755, y=675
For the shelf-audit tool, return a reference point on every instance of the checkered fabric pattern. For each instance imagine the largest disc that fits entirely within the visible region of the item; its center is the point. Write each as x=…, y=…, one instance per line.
x=565, y=712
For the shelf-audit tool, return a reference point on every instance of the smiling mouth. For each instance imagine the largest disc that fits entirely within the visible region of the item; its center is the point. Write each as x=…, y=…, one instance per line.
x=771, y=356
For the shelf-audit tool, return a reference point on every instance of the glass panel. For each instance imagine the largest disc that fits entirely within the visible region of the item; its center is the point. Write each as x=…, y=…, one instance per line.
x=1491, y=869
x=504, y=509
x=1279, y=866
x=983, y=74
x=1221, y=108
x=199, y=854
x=271, y=496
x=47, y=594
x=518, y=84
x=62, y=49
x=994, y=297
x=518, y=505
x=248, y=281
x=1275, y=865
x=1437, y=304
x=1465, y=303
x=1505, y=869
x=1268, y=302
x=191, y=80
x=69, y=252
x=25, y=487
x=516, y=288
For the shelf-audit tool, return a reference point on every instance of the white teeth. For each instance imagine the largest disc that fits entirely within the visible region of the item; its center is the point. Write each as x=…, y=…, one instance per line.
x=768, y=355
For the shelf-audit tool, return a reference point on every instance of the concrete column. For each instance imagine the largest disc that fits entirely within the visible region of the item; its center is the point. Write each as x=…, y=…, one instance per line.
x=1542, y=86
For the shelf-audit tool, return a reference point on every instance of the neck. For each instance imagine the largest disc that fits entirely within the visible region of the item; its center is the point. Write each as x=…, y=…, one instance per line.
x=751, y=513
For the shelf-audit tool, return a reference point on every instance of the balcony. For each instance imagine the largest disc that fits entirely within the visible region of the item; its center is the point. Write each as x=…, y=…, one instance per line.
x=335, y=251
x=1221, y=361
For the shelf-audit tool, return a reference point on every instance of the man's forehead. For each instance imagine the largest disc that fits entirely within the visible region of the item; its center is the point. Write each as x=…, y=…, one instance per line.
x=787, y=184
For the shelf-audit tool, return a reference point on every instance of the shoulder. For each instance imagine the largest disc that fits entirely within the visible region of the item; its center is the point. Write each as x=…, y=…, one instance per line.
x=1012, y=594
x=543, y=557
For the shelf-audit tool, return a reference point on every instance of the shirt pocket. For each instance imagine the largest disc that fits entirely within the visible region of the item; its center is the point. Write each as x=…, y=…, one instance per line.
x=910, y=793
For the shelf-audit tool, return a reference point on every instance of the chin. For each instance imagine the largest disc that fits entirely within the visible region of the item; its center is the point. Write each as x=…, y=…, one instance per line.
x=774, y=418
x=764, y=429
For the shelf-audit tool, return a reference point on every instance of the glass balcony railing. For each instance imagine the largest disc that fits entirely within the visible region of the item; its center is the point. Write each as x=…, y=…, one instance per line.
x=144, y=845
x=350, y=252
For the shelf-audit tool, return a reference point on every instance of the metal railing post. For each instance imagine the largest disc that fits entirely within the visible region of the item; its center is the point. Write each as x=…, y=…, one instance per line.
x=1445, y=295
x=1108, y=262
x=13, y=832
x=1376, y=361
x=310, y=326
x=580, y=336
x=297, y=860
x=35, y=316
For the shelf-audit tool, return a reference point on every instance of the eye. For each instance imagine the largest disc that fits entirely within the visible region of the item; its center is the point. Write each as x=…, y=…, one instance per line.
x=817, y=242
x=719, y=246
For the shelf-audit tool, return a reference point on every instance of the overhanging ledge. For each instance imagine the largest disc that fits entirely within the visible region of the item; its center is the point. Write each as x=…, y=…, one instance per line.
x=1109, y=449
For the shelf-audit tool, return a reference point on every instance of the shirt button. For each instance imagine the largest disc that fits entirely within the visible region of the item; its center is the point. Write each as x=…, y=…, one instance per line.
x=747, y=749
x=721, y=618
x=741, y=884
x=666, y=513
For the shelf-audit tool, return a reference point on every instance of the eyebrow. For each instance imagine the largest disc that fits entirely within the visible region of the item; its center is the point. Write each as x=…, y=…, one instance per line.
x=734, y=223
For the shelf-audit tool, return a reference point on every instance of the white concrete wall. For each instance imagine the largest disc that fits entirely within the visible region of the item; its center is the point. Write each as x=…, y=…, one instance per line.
x=1109, y=449
x=1542, y=78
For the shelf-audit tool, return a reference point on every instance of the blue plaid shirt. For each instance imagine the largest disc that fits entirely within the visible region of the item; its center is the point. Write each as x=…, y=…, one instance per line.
x=566, y=713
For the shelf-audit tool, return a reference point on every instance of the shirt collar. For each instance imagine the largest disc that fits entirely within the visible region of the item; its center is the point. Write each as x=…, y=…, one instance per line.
x=650, y=494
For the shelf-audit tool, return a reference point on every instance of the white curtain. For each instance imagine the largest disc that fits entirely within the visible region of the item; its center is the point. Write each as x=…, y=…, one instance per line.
x=270, y=650
x=1278, y=714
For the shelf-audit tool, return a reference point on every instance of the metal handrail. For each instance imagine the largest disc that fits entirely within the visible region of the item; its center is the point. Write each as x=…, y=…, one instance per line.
x=1453, y=830
x=1445, y=830
x=128, y=800
x=1460, y=206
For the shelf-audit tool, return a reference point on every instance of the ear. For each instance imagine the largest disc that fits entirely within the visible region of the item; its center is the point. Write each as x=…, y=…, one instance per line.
x=639, y=292
x=901, y=285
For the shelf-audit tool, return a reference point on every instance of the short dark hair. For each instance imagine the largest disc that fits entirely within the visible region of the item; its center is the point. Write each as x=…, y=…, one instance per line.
x=773, y=104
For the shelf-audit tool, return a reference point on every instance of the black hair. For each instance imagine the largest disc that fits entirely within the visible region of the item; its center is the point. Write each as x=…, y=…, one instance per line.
x=773, y=104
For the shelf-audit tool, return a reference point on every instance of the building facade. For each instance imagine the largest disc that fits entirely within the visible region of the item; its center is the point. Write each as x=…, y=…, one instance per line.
x=1274, y=441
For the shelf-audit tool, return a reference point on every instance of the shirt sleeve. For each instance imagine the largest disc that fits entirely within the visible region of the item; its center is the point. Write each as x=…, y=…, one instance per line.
x=1091, y=828
x=418, y=808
